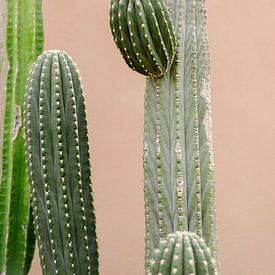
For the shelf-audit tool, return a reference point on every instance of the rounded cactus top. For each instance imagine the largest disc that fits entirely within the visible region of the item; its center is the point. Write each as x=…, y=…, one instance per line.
x=144, y=33
x=182, y=253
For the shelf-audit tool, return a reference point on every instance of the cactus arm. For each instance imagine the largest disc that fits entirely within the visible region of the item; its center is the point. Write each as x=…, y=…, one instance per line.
x=205, y=131
x=144, y=34
x=61, y=191
x=15, y=229
x=116, y=28
x=182, y=253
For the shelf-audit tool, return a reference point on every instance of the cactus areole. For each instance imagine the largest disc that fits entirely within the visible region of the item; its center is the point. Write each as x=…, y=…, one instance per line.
x=144, y=33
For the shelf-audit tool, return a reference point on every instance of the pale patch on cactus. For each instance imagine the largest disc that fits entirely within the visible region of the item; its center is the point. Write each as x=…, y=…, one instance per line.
x=207, y=121
x=17, y=121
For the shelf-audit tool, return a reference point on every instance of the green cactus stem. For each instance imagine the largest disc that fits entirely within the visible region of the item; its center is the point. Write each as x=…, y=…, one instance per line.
x=144, y=33
x=182, y=253
x=178, y=154
x=21, y=42
x=59, y=167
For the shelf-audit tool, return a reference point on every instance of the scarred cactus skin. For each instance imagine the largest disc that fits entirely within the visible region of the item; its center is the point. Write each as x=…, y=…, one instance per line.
x=144, y=33
x=182, y=253
x=59, y=167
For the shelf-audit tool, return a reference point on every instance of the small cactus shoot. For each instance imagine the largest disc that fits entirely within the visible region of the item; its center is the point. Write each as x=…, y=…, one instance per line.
x=144, y=33
x=182, y=253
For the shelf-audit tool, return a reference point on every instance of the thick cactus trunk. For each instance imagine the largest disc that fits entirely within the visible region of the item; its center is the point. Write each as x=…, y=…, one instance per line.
x=178, y=153
x=24, y=41
x=59, y=167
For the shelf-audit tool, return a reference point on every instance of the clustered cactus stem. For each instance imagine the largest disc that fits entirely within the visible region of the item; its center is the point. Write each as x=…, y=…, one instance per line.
x=21, y=44
x=59, y=167
x=178, y=154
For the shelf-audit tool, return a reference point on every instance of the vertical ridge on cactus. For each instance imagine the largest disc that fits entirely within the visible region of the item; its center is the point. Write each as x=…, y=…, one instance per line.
x=178, y=152
x=59, y=167
x=24, y=41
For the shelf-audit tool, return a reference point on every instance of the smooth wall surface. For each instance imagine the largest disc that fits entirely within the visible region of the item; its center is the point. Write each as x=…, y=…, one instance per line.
x=243, y=103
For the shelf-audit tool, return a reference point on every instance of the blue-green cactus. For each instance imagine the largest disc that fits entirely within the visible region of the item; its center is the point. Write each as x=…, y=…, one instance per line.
x=144, y=33
x=178, y=154
x=59, y=167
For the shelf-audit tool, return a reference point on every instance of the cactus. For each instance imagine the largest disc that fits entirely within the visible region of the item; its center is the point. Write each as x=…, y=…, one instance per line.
x=144, y=33
x=182, y=253
x=21, y=20
x=178, y=155
x=59, y=167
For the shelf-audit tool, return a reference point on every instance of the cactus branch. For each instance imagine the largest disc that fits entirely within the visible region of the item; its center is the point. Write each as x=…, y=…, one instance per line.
x=24, y=41
x=182, y=253
x=59, y=167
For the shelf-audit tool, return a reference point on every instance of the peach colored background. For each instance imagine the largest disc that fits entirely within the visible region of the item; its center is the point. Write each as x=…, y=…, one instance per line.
x=243, y=96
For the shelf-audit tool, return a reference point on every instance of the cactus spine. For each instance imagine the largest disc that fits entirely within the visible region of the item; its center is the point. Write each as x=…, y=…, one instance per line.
x=59, y=167
x=143, y=31
x=178, y=153
x=23, y=42
x=182, y=253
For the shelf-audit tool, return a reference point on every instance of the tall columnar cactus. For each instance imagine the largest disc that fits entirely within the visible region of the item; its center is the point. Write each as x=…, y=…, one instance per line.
x=178, y=154
x=182, y=253
x=59, y=167
x=21, y=42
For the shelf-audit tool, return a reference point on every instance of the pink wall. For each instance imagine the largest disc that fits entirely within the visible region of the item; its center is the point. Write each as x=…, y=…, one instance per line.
x=243, y=96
